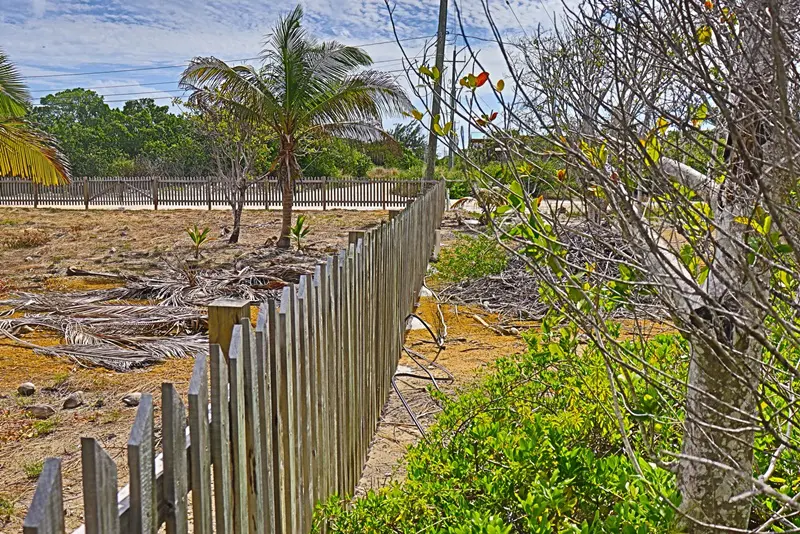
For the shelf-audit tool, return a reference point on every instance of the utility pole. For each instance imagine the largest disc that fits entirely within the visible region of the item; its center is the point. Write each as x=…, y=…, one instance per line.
x=453, y=137
x=436, y=107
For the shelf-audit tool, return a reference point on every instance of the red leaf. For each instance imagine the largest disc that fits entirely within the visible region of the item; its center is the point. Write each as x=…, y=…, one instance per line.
x=493, y=116
x=482, y=78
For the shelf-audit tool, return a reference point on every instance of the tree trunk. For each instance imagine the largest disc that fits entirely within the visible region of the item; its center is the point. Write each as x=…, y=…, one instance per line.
x=722, y=398
x=237, y=223
x=725, y=371
x=238, y=207
x=287, y=199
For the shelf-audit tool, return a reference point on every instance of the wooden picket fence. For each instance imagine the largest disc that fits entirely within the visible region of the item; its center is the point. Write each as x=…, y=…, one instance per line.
x=153, y=191
x=294, y=402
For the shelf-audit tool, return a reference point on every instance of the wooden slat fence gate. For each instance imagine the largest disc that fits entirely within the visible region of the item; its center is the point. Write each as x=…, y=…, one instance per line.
x=282, y=414
x=210, y=192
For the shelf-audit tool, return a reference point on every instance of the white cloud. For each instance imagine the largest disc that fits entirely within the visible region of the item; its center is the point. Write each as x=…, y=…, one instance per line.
x=38, y=7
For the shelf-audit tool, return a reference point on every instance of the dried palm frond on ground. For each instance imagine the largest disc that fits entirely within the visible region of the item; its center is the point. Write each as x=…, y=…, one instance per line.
x=114, y=337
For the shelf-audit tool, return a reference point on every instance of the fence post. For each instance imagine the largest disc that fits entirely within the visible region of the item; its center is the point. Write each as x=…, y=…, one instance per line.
x=383, y=194
x=208, y=199
x=35, y=194
x=223, y=315
x=155, y=193
x=86, y=193
x=324, y=193
x=46, y=513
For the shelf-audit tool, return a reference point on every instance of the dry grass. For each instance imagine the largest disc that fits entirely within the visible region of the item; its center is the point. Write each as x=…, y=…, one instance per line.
x=28, y=238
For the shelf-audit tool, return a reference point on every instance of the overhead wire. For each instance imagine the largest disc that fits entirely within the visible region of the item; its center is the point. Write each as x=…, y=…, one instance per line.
x=161, y=67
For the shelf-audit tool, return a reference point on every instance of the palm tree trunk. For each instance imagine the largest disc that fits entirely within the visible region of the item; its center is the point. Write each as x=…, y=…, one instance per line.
x=287, y=201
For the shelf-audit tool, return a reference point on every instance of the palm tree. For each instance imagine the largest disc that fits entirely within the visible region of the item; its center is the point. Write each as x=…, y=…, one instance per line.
x=302, y=89
x=25, y=151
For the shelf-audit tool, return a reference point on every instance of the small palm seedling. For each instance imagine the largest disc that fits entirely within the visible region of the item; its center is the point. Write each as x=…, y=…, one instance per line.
x=299, y=231
x=199, y=238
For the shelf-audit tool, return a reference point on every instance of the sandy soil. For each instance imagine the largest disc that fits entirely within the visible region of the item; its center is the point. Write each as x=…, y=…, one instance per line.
x=135, y=241
x=120, y=241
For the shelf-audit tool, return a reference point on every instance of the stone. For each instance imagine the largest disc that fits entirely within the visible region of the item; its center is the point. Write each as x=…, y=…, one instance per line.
x=73, y=400
x=132, y=399
x=41, y=411
x=26, y=389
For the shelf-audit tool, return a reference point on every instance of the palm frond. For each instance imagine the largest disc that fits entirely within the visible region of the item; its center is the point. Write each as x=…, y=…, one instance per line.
x=363, y=97
x=14, y=95
x=31, y=154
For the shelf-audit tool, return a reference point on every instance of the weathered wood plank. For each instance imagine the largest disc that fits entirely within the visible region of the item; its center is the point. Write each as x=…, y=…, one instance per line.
x=238, y=434
x=46, y=512
x=263, y=356
x=143, y=515
x=200, y=450
x=220, y=441
x=288, y=410
x=176, y=481
x=99, y=475
x=253, y=422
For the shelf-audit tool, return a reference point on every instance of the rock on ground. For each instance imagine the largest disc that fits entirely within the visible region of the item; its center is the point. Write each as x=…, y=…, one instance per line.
x=26, y=389
x=41, y=411
x=73, y=400
x=132, y=399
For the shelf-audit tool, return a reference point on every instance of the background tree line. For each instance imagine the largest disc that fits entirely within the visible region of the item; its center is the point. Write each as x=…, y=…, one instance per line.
x=143, y=138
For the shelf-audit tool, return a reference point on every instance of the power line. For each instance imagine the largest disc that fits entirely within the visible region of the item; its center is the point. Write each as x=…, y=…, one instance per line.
x=138, y=69
x=174, y=82
x=142, y=84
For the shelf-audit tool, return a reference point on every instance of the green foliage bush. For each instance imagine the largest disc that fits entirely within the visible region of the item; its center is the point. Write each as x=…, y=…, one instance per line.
x=531, y=449
x=470, y=258
x=334, y=158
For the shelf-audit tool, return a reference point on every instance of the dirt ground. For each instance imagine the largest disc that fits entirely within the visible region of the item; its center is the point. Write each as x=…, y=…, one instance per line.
x=109, y=241
x=137, y=241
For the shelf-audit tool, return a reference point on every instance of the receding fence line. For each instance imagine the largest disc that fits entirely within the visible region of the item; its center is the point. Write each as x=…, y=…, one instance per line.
x=159, y=191
x=294, y=403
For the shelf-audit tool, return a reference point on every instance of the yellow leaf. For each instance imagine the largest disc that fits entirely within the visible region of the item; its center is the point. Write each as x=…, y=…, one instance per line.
x=704, y=34
x=662, y=125
x=500, y=85
x=417, y=115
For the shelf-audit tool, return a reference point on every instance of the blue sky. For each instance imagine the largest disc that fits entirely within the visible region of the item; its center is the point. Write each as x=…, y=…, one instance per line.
x=49, y=38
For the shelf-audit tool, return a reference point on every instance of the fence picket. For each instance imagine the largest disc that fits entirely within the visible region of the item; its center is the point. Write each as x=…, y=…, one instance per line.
x=143, y=515
x=99, y=475
x=176, y=483
x=255, y=459
x=238, y=433
x=220, y=441
x=263, y=360
x=46, y=513
x=200, y=453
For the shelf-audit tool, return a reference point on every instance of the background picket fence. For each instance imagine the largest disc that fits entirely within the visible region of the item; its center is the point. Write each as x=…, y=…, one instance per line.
x=291, y=409
x=208, y=192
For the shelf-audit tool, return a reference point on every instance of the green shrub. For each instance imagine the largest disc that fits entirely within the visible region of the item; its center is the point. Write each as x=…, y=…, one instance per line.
x=531, y=449
x=470, y=258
